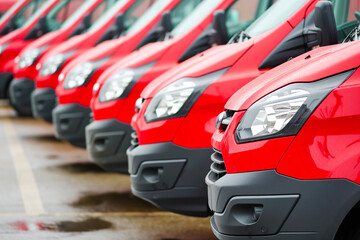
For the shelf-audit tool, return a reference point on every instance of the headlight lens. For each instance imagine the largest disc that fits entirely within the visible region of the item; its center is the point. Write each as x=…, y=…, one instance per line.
x=115, y=86
x=176, y=96
x=284, y=111
x=3, y=47
x=52, y=64
x=29, y=57
x=177, y=99
x=78, y=75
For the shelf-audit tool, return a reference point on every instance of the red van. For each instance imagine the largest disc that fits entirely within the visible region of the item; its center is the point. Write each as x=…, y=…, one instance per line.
x=111, y=25
x=75, y=89
x=6, y=5
x=68, y=18
x=176, y=114
x=33, y=26
x=109, y=136
x=286, y=161
x=16, y=16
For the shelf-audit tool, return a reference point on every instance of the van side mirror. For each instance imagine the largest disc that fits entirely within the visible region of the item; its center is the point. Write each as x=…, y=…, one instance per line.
x=119, y=23
x=39, y=29
x=87, y=21
x=317, y=29
x=10, y=26
x=220, y=34
x=82, y=27
x=166, y=22
x=202, y=42
x=159, y=31
x=114, y=30
x=324, y=32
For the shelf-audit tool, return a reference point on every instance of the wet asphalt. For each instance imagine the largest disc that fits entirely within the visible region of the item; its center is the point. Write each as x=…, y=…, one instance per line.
x=50, y=190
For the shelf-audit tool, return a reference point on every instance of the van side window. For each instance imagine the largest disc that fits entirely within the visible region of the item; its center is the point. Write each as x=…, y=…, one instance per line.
x=182, y=10
x=135, y=12
x=99, y=11
x=64, y=13
x=240, y=15
x=26, y=12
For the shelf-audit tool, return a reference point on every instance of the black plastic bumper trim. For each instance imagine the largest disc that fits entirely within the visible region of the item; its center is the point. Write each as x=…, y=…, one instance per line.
x=43, y=101
x=107, y=142
x=317, y=214
x=70, y=121
x=171, y=177
x=20, y=95
x=5, y=80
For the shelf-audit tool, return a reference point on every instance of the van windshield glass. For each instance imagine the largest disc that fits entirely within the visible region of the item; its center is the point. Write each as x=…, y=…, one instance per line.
x=38, y=13
x=11, y=11
x=274, y=16
x=78, y=13
x=151, y=13
x=197, y=13
x=108, y=15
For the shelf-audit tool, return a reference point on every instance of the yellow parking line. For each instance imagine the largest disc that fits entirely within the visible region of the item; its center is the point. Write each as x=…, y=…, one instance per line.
x=25, y=176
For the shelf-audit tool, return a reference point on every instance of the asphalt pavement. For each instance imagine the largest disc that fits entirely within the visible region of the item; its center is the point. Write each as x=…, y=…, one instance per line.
x=50, y=190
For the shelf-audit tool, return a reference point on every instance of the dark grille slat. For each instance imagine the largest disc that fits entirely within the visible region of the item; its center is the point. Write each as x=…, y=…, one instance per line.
x=217, y=158
x=135, y=141
x=217, y=168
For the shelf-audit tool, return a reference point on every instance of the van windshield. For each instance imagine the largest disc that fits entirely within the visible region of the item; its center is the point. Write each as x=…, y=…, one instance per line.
x=108, y=15
x=78, y=13
x=198, y=11
x=11, y=11
x=23, y=14
x=274, y=16
x=151, y=13
x=38, y=13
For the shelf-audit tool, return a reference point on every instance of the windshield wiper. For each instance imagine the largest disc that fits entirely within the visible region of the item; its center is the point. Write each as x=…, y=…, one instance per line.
x=354, y=35
x=239, y=37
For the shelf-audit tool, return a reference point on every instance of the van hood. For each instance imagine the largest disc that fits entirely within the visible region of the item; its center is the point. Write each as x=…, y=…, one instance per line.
x=212, y=60
x=311, y=66
x=73, y=43
x=12, y=36
x=48, y=39
x=147, y=54
x=102, y=50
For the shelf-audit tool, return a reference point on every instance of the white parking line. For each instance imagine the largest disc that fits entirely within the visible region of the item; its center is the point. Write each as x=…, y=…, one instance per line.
x=25, y=176
x=90, y=214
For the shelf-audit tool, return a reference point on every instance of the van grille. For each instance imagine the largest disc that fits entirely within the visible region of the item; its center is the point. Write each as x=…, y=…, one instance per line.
x=217, y=168
x=134, y=140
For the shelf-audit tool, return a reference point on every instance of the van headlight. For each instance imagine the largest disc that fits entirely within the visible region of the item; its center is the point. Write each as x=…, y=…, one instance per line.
x=54, y=63
x=3, y=47
x=177, y=99
x=30, y=56
x=115, y=86
x=78, y=75
x=283, y=112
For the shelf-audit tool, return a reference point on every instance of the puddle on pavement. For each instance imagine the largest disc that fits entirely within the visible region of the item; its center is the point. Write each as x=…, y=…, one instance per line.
x=87, y=225
x=42, y=138
x=113, y=202
x=80, y=168
x=52, y=156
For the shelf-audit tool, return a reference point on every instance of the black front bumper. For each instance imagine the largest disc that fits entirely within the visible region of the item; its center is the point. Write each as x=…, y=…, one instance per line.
x=107, y=142
x=267, y=205
x=5, y=80
x=171, y=177
x=70, y=121
x=20, y=95
x=43, y=101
